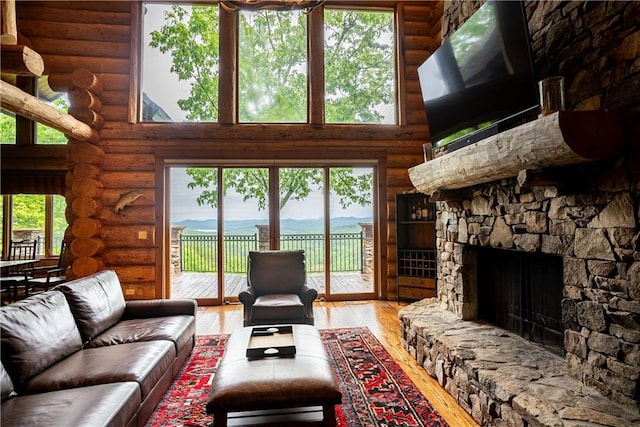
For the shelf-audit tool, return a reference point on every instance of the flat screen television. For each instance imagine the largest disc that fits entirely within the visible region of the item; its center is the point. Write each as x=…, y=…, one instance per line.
x=480, y=81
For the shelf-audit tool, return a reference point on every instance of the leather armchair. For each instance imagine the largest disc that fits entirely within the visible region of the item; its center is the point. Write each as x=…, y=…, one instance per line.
x=277, y=291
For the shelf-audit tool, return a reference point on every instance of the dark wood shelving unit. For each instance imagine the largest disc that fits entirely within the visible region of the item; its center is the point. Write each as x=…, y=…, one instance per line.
x=416, y=249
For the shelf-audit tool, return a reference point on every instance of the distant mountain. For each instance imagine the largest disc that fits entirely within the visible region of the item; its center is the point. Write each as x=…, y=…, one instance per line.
x=287, y=226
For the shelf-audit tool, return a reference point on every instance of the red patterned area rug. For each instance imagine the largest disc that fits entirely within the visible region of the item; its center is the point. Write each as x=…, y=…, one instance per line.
x=375, y=389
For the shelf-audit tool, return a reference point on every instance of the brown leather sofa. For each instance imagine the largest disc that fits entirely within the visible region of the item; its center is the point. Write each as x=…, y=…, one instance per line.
x=81, y=355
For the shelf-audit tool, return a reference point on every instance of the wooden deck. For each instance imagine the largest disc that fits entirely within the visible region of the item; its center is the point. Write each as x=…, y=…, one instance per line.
x=205, y=285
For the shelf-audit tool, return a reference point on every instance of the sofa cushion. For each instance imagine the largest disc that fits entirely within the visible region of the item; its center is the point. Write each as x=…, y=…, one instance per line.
x=6, y=385
x=178, y=329
x=277, y=307
x=111, y=405
x=36, y=333
x=138, y=309
x=144, y=363
x=96, y=302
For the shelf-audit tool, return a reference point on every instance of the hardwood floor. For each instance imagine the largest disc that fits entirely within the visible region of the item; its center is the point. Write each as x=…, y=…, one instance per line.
x=381, y=317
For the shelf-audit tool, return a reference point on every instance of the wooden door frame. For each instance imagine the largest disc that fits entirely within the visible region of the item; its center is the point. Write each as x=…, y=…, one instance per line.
x=164, y=164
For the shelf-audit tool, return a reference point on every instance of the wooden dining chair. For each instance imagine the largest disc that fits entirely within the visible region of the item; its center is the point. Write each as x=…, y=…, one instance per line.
x=22, y=249
x=38, y=279
x=12, y=280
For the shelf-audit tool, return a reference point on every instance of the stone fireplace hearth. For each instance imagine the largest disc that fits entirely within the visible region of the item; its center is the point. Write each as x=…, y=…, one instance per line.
x=501, y=379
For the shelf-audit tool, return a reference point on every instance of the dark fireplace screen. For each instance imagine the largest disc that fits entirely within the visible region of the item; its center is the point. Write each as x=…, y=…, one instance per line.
x=522, y=293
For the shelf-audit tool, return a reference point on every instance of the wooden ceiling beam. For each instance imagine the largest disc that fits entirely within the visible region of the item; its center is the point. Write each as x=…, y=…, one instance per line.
x=23, y=104
x=9, y=28
x=21, y=60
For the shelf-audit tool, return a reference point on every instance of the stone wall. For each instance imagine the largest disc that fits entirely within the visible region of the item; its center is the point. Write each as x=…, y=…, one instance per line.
x=593, y=224
x=596, y=232
x=594, y=45
x=176, y=262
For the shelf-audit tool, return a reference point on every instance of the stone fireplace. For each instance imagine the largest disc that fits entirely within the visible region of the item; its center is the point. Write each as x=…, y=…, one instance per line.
x=593, y=234
x=586, y=216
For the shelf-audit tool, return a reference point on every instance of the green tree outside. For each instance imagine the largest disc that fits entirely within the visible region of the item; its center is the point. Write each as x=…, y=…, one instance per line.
x=29, y=213
x=359, y=65
x=7, y=129
x=295, y=183
x=47, y=135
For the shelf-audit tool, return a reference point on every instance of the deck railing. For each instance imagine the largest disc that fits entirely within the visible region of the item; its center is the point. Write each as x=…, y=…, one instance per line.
x=199, y=253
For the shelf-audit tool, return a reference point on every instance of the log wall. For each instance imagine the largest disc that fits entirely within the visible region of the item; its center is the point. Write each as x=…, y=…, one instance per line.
x=97, y=36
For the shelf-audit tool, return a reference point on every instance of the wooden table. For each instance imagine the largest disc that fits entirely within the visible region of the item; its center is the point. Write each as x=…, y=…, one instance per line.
x=11, y=282
x=6, y=264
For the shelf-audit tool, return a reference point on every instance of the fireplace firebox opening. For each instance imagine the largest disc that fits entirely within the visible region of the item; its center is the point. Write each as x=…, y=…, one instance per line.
x=522, y=293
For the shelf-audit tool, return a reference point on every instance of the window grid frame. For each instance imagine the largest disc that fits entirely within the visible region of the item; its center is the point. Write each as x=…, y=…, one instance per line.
x=228, y=90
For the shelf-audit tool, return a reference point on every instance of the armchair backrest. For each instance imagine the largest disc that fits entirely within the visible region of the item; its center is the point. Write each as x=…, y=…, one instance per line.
x=276, y=272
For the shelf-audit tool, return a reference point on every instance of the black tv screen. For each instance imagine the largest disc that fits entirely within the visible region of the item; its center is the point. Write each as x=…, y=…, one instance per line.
x=481, y=76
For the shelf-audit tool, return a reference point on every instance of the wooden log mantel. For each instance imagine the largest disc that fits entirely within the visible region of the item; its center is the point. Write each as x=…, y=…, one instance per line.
x=559, y=139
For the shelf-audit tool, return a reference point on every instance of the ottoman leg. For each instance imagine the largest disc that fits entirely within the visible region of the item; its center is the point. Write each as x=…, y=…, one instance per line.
x=329, y=415
x=219, y=419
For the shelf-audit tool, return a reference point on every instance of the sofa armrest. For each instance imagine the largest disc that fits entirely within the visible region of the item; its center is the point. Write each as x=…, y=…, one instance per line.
x=308, y=295
x=137, y=309
x=247, y=297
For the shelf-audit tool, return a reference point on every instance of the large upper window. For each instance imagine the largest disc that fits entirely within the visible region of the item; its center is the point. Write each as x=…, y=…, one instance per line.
x=183, y=56
x=273, y=67
x=180, y=56
x=359, y=67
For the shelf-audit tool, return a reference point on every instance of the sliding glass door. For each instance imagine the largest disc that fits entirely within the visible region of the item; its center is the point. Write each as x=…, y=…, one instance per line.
x=245, y=222
x=193, y=253
x=302, y=219
x=218, y=214
x=351, y=236
x=328, y=212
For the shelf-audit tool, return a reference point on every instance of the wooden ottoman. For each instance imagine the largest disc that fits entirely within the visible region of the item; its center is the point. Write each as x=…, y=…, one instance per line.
x=273, y=385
